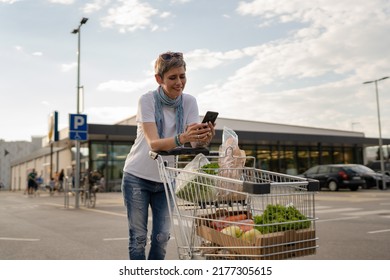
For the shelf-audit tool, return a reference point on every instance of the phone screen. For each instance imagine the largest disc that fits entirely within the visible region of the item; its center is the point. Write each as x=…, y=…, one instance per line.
x=210, y=117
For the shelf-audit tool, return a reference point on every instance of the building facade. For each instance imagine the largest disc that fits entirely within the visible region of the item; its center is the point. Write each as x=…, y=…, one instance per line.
x=9, y=152
x=276, y=147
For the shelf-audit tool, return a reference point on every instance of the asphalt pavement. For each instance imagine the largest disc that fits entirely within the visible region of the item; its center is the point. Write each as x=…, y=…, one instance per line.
x=44, y=227
x=351, y=225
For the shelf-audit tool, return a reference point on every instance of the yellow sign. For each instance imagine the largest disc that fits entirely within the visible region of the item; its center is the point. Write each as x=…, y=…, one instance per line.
x=51, y=127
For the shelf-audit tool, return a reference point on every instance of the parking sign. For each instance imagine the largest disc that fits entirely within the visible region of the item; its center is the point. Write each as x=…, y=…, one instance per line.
x=78, y=127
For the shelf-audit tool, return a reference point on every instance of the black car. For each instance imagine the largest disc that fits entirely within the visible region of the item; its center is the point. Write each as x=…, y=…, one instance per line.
x=376, y=166
x=373, y=179
x=336, y=176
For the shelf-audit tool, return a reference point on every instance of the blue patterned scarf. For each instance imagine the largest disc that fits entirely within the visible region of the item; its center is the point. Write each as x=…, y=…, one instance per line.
x=160, y=100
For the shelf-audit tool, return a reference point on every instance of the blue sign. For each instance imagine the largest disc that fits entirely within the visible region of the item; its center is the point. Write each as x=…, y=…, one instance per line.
x=78, y=127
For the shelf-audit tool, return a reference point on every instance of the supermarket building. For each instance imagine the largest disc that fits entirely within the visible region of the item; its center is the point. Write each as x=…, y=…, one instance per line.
x=277, y=147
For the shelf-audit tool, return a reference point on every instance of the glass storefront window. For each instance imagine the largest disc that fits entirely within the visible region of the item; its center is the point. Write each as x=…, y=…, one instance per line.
x=338, y=155
x=84, y=152
x=109, y=158
x=314, y=156
x=289, y=161
x=98, y=151
x=263, y=157
x=250, y=152
x=303, y=159
x=348, y=155
x=326, y=157
x=274, y=159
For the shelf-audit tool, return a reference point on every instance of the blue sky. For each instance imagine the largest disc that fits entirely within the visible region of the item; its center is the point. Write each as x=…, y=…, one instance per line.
x=293, y=62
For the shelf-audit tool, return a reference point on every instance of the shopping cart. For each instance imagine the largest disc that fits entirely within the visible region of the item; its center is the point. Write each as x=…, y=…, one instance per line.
x=260, y=215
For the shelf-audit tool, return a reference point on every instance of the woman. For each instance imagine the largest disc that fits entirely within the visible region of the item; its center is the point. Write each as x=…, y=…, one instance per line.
x=166, y=118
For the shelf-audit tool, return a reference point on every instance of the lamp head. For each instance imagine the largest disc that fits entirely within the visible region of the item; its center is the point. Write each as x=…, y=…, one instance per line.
x=75, y=31
x=83, y=20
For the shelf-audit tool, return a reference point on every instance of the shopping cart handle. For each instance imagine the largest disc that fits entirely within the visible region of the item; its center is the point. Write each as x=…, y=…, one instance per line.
x=180, y=151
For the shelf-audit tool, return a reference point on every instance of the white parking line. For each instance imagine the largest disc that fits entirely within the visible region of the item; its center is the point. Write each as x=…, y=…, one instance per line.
x=379, y=231
x=374, y=212
x=19, y=239
x=338, y=210
x=115, y=239
x=125, y=238
x=322, y=207
x=335, y=219
x=104, y=212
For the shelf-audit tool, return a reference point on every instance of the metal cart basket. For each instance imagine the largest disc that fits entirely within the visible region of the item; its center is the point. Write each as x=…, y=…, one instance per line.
x=260, y=215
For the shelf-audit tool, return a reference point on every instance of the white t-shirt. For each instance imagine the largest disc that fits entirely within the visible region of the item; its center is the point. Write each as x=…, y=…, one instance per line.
x=138, y=161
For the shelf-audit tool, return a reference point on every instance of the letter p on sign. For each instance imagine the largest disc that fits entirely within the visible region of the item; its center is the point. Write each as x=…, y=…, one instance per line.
x=78, y=122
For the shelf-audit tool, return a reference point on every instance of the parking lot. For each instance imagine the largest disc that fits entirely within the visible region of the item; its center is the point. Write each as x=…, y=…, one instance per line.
x=351, y=226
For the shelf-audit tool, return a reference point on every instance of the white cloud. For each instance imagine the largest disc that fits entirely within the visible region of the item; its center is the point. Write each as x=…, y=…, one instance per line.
x=206, y=59
x=313, y=77
x=336, y=38
x=21, y=50
x=180, y=1
x=68, y=67
x=64, y=2
x=109, y=115
x=9, y=1
x=127, y=86
x=165, y=15
x=95, y=6
x=132, y=15
x=45, y=103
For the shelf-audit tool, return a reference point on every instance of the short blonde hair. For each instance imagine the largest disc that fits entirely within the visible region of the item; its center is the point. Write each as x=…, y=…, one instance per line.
x=168, y=60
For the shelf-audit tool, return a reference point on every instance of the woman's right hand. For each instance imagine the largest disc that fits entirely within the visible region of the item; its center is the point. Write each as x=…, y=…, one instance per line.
x=196, y=133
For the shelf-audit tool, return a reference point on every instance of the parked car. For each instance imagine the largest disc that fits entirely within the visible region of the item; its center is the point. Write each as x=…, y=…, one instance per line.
x=373, y=179
x=376, y=166
x=336, y=176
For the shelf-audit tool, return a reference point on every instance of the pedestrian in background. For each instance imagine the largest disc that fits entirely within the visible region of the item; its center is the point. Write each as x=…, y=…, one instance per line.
x=31, y=182
x=61, y=178
x=52, y=185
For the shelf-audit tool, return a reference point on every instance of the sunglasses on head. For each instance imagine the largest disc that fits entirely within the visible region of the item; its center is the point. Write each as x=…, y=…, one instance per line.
x=169, y=56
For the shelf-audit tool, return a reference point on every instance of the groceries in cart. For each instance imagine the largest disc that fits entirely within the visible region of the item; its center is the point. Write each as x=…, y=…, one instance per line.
x=277, y=232
x=189, y=185
x=225, y=208
x=231, y=161
x=229, y=164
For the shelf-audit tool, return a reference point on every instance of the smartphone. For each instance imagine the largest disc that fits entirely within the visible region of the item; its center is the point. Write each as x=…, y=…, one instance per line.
x=210, y=117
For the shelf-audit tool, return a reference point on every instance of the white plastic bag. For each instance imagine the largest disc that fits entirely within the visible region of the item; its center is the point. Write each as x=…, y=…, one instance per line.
x=194, y=165
x=193, y=187
x=231, y=160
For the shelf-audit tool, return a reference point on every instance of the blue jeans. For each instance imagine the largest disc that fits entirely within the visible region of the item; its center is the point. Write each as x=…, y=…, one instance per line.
x=138, y=194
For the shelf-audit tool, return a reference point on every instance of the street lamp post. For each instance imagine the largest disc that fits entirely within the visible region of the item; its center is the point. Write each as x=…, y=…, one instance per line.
x=380, y=130
x=77, y=175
